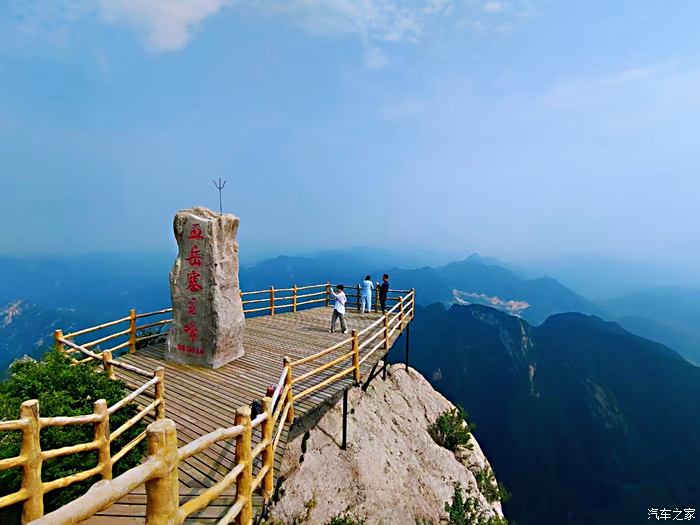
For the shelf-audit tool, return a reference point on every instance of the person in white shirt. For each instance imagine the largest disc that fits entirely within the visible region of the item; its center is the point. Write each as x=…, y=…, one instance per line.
x=366, y=288
x=339, y=309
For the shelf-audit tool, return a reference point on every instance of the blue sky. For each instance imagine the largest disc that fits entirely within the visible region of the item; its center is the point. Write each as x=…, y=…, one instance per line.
x=519, y=129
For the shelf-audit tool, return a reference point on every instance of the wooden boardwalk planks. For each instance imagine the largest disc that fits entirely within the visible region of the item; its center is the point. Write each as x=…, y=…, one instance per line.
x=201, y=400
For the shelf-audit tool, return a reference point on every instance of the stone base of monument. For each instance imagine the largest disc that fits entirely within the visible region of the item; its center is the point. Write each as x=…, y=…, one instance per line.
x=208, y=319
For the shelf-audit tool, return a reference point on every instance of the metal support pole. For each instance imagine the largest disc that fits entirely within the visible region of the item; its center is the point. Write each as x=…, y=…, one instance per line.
x=408, y=343
x=344, y=446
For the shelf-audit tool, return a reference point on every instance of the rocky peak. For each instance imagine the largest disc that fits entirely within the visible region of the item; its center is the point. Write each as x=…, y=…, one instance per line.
x=392, y=471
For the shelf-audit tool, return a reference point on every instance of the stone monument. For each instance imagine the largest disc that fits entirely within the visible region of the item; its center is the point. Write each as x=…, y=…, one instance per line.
x=208, y=320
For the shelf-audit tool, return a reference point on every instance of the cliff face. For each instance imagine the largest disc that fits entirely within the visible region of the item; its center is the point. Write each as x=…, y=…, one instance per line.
x=392, y=471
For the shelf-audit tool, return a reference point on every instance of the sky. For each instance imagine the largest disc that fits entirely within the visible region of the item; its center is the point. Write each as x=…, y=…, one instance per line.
x=522, y=129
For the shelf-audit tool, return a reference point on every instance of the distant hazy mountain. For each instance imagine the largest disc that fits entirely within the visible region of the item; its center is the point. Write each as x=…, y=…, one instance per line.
x=472, y=280
x=476, y=280
x=584, y=422
x=601, y=278
x=27, y=329
x=103, y=284
x=670, y=315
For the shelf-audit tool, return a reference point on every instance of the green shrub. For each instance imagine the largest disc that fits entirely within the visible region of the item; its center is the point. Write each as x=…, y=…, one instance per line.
x=451, y=429
x=468, y=511
x=345, y=519
x=63, y=390
x=486, y=483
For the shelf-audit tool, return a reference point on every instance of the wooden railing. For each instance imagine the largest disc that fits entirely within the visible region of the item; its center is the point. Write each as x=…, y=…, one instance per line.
x=31, y=457
x=268, y=301
x=353, y=292
x=274, y=299
x=347, y=356
x=159, y=471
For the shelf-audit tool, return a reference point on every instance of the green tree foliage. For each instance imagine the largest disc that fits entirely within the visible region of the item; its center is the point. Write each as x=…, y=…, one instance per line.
x=452, y=429
x=345, y=519
x=63, y=390
x=468, y=511
x=487, y=485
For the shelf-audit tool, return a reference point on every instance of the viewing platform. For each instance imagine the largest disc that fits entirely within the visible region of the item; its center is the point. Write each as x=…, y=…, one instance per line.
x=200, y=400
x=227, y=462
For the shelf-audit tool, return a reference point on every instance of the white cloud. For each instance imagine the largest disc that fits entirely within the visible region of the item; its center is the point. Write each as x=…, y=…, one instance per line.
x=375, y=58
x=370, y=19
x=168, y=24
x=492, y=6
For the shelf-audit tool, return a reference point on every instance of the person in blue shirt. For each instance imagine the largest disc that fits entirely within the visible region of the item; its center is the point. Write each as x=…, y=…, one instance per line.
x=366, y=288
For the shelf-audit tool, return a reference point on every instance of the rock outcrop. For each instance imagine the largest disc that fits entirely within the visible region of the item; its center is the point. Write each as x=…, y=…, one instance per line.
x=208, y=319
x=392, y=471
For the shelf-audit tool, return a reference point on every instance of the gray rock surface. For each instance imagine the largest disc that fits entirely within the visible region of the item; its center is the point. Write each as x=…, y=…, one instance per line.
x=208, y=319
x=391, y=473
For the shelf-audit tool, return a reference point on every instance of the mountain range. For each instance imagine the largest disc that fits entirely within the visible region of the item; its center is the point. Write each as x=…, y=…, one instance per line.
x=584, y=422
x=100, y=287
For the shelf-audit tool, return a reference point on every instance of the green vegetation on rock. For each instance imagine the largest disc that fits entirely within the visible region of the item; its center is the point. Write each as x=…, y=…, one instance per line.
x=63, y=390
x=452, y=429
x=489, y=487
x=468, y=511
x=345, y=519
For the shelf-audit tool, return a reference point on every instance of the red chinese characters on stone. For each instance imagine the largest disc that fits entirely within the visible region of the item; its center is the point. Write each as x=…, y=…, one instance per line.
x=193, y=281
x=193, y=285
x=190, y=349
x=191, y=330
x=196, y=232
x=195, y=257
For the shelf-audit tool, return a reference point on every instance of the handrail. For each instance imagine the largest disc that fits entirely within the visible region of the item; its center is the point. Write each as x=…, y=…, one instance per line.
x=157, y=312
x=101, y=495
x=326, y=351
x=98, y=327
x=323, y=367
x=207, y=440
x=280, y=385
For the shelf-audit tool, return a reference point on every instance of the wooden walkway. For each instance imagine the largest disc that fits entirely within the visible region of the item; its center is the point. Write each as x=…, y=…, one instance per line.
x=201, y=400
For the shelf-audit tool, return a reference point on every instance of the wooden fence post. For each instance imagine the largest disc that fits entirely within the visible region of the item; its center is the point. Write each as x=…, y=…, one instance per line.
x=33, y=506
x=357, y=298
x=356, y=356
x=132, y=331
x=376, y=301
x=294, y=298
x=160, y=392
x=386, y=331
x=162, y=498
x=106, y=362
x=401, y=316
x=272, y=301
x=244, y=483
x=290, y=395
x=268, y=455
x=57, y=336
x=328, y=293
x=102, y=435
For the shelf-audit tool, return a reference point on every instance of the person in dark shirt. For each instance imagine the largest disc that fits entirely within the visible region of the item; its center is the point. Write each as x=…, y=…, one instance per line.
x=383, y=290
